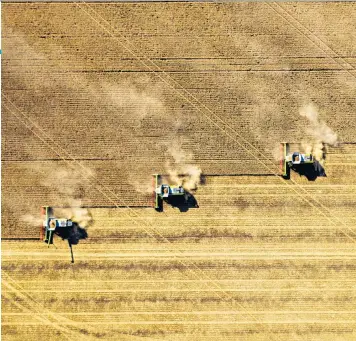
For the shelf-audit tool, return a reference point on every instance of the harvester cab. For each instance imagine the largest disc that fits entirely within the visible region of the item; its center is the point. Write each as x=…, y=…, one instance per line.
x=297, y=158
x=164, y=191
x=50, y=225
x=290, y=160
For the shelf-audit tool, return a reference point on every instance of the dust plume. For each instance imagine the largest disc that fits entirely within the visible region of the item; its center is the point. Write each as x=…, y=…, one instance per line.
x=70, y=187
x=182, y=172
x=320, y=133
x=276, y=152
x=76, y=212
x=143, y=185
x=31, y=220
x=133, y=101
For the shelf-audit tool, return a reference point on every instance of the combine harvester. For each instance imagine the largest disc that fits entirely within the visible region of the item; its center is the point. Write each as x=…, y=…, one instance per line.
x=293, y=160
x=164, y=191
x=52, y=226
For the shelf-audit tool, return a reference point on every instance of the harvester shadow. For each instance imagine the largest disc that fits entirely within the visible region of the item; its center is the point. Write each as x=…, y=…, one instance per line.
x=73, y=235
x=310, y=170
x=183, y=203
x=202, y=179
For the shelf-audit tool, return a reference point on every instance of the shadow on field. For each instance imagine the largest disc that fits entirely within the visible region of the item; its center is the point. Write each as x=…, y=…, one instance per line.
x=310, y=170
x=73, y=235
x=183, y=202
x=202, y=179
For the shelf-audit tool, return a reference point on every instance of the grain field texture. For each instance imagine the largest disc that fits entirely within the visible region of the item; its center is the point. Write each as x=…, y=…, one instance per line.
x=97, y=97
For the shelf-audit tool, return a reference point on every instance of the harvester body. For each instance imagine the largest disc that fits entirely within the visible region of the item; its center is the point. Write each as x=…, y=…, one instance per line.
x=290, y=160
x=50, y=225
x=165, y=191
x=298, y=158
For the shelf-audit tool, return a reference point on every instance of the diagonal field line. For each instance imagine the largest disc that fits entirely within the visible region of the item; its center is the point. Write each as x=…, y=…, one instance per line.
x=254, y=318
x=41, y=310
x=75, y=160
x=71, y=157
x=60, y=315
x=211, y=281
x=65, y=331
x=258, y=152
x=306, y=193
x=93, y=177
x=194, y=105
x=216, y=116
x=327, y=48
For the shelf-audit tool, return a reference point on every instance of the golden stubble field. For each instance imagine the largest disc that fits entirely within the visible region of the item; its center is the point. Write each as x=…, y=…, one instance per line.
x=97, y=97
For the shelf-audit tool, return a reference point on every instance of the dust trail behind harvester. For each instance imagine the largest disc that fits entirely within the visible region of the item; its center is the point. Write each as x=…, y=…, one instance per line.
x=321, y=135
x=68, y=185
x=182, y=172
x=31, y=220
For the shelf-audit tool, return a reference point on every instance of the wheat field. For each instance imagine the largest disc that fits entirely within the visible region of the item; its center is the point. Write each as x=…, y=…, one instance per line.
x=98, y=97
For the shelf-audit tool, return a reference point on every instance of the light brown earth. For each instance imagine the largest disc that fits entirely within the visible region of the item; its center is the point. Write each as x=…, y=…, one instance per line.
x=101, y=92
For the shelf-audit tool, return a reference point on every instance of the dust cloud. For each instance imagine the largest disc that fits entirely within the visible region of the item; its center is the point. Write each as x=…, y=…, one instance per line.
x=31, y=220
x=69, y=185
x=182, y=172
x=321, y=134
